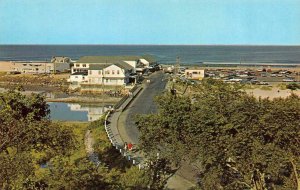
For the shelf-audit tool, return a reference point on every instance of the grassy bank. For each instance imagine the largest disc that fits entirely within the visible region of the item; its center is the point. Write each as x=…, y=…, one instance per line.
x=106, y=152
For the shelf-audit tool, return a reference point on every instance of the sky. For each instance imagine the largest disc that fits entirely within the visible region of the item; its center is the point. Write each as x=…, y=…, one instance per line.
x=203, y=22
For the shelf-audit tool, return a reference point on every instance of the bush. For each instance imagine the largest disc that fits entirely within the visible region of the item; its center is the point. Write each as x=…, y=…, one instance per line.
x=293, y=86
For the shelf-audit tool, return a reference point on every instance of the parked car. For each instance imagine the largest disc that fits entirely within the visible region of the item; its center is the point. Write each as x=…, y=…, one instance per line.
x=288, y=80
x=263, y=83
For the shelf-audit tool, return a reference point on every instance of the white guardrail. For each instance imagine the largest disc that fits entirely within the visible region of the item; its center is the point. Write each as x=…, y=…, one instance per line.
x=119, y=147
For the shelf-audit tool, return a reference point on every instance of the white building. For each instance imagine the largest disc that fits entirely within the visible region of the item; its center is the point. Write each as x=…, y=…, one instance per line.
x=77, y=78
x=144, y=62
x=194, y=74
x=110, y=71
x=110, y=74
x=83, y=64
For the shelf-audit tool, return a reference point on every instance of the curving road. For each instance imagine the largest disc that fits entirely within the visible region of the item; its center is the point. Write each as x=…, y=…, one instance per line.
x=142, y=104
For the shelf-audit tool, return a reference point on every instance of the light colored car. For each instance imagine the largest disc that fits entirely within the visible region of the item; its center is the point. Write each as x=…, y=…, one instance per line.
x=288, y=80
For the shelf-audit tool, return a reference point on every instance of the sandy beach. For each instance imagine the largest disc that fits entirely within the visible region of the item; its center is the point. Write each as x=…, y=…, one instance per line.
x=274, y=92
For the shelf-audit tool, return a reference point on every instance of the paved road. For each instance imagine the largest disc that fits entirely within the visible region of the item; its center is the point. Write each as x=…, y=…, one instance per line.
x=143, y=104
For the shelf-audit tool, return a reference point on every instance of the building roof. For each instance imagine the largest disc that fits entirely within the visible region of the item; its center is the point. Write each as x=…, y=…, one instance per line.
x=99, y=66
x=112, y=59
x=121, y=64
x=106, y=59
x=149, y=58
x=144, y=61
x=60, y=59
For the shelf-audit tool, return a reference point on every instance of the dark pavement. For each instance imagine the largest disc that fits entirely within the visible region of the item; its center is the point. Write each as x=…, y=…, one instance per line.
x=143, y=104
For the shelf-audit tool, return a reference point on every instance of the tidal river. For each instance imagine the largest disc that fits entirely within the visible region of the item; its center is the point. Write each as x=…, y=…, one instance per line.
x=76, y=112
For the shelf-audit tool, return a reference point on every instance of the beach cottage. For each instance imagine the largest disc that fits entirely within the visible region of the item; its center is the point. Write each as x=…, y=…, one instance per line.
x=83, y=64
x=110, y=74
x=194, y=74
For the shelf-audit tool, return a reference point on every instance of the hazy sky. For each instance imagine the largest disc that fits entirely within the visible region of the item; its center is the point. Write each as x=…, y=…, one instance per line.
x=150, y=22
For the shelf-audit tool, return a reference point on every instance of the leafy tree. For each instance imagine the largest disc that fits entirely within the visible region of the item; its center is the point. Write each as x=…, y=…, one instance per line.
x=25, y=129
x=134, y=178
x=293, y=86
x=240, y=142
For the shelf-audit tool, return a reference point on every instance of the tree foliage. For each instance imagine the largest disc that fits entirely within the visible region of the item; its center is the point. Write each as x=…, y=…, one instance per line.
x=240, y=142
x=25, y=129
x=36, y=153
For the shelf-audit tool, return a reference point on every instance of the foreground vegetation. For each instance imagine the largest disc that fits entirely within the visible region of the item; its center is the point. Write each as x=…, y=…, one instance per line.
x=236, y=140
x=36, y=153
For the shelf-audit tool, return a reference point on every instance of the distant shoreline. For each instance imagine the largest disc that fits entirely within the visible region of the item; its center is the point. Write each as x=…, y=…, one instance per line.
x=229, y=45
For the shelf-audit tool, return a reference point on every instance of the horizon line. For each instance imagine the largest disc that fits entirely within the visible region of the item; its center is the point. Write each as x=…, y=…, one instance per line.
x=158, y=44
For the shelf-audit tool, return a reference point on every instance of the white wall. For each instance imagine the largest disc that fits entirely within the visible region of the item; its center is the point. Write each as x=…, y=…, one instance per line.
x=132, y=63
x=145, y=62
x=113, y=71
x=32, y=67
x=111, y=75
x=118, y=82
x=78, y=78
x=197, y=74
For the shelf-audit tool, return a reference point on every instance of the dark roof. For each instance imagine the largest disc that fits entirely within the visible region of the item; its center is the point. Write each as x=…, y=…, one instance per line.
x=112, y=59
x=123, y=65
x=99, y=66
x=107, y=59
x=120, y=64
x=149, y=58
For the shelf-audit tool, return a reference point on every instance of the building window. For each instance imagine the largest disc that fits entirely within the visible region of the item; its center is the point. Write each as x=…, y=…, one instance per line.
x=76, y=77
x=83, y=65
x=118, y=72
x=106, y=80
x=107, y=72
x=77, y=65
x=90, y=72
x=113, y=72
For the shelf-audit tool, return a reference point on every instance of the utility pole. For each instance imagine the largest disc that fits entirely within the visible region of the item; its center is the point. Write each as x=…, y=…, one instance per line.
x=177, y=66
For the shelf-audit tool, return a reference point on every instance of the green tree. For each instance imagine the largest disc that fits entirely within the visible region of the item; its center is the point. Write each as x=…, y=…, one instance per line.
x=240, y=142
x=25, y=129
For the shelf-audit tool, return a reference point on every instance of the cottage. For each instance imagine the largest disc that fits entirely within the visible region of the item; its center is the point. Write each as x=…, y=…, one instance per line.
x=83, y=64
x=194, y=74
x=32, y=67
x=108, y=71
x=77, y=78
x=110, y=74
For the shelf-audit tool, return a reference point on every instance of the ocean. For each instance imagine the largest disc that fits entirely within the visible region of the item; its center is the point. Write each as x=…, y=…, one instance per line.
x=188, y=54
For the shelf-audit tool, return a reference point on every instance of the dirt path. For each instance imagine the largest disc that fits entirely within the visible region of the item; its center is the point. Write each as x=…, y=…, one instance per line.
x=89, y=143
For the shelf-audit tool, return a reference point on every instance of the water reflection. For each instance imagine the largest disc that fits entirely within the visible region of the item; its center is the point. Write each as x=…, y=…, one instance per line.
x=77, y=112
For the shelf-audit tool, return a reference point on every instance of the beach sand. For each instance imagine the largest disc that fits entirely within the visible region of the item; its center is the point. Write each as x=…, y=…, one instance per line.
x=272, y=93
x=5, y=66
